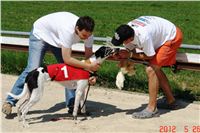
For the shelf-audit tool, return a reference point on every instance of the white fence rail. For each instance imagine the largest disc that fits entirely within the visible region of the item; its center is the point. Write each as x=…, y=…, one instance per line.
x=103, y=39
x=187, y=61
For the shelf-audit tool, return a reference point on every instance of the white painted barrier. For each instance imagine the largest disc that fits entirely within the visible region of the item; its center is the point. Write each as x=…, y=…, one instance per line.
x=191, y=60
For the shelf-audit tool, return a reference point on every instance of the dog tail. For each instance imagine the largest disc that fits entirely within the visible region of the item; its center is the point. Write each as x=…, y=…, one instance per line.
x=25, y=90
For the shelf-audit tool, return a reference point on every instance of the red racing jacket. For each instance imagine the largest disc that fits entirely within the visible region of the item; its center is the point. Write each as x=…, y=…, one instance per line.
x=62, y=72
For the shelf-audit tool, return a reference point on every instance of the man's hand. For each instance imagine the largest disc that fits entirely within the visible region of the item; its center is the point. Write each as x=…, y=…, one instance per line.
x=94, y=66
x=92, y=80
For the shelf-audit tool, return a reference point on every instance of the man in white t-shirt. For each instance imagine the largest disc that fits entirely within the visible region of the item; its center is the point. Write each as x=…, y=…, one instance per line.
x=56, y=32
x=159, y=40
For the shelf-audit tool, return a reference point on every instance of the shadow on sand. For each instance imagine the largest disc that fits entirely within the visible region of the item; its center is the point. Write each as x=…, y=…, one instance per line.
x=95, y=109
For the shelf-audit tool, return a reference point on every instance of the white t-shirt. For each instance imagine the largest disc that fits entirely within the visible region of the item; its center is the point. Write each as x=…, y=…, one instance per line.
x=150, y=33
x=58, y=29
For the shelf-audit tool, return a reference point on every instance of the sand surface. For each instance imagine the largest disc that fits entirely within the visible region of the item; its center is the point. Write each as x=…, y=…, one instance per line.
x=110, y=111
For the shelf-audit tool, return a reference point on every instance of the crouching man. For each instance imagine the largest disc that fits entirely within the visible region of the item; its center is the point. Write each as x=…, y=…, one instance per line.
x=159, y=40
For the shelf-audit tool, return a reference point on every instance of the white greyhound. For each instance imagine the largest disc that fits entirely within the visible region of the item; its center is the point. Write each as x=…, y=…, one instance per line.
x=75, y=79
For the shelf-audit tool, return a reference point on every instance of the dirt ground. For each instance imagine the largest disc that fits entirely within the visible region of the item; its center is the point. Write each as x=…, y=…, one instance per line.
x=110, y=111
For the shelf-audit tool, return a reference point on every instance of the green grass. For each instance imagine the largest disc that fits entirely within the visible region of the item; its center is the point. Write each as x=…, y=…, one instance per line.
x=19, y=16
x=107, y=15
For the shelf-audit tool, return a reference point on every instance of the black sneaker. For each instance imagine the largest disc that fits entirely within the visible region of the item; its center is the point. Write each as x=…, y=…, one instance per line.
x=71, y=108
x=162, y=104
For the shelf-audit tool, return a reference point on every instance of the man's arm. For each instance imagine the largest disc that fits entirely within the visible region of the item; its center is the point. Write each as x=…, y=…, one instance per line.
x=68, y=59
x=132, y=54
x=142, y=56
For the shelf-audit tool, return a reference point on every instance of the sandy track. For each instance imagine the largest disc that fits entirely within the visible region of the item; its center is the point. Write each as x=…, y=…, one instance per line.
x=110, y=112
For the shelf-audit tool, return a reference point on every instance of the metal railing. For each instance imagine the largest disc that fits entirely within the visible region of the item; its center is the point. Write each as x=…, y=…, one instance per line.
x=103, y=39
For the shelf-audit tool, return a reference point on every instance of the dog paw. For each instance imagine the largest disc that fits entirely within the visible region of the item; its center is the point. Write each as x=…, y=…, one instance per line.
x=25, y=125
x=74, y=117
x=19, y=119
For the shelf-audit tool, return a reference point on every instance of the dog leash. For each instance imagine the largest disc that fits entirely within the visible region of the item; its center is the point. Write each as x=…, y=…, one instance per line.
x=91, y=74
x=85, y=97
x=63, y=118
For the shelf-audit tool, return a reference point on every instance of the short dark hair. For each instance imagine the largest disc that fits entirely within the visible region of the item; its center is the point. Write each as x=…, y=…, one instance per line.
x=85, y=22
x=122, y=33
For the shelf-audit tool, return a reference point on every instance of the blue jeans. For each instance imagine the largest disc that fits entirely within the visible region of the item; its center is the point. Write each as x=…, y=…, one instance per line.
x=37, y=50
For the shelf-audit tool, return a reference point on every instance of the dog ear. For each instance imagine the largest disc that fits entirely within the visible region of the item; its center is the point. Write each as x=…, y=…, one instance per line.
x=100, y=52
x=45, y=69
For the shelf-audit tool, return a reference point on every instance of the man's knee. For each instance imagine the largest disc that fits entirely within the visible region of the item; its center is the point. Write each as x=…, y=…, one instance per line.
x=151, y=70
